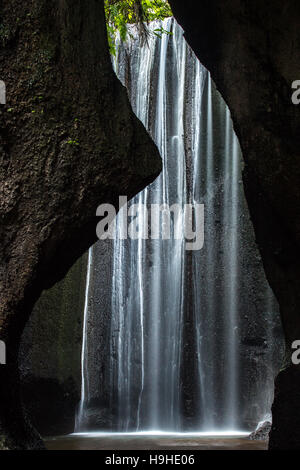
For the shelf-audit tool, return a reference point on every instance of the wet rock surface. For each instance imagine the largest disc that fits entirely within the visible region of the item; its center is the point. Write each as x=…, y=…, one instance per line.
x=262, y=433
x=249, y=49
x=69, y=141
x=50, y=354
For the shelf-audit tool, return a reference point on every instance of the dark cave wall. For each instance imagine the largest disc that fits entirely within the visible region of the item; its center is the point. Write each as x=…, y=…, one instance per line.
x=69, y=141
x=81, y=145
x=252, y=49
x=50, y=354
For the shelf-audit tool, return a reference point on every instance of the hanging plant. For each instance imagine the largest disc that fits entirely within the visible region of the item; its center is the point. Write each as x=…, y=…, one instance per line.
x=120, y=13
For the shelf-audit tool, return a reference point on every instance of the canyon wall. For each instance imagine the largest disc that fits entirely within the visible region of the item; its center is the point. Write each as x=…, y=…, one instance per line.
x=252, y=51
x=69, y=141
x=50, y=353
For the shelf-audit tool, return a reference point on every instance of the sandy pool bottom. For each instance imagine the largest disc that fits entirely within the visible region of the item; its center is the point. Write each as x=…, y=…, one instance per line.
x=152, y=442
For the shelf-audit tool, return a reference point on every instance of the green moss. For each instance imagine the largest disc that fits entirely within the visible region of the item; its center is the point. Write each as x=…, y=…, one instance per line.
x=5, y=34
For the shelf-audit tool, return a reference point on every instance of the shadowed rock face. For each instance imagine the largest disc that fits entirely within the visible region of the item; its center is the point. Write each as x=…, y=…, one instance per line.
x=50, y=354
x=68, y=142
x=252, y=50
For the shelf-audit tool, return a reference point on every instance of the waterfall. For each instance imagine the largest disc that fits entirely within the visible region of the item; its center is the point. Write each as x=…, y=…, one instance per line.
x=188, y=339
x=84, y=368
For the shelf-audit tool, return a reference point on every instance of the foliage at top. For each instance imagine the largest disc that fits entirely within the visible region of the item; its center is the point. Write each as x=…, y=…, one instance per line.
x=120, y=13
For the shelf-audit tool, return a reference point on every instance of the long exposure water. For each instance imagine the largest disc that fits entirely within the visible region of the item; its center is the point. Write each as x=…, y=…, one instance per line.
x=189, y=336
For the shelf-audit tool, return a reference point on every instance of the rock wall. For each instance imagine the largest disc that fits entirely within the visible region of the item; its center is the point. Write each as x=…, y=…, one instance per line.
x=98, y=351
x=252, y=51
x=69, y=141
x=50, y=354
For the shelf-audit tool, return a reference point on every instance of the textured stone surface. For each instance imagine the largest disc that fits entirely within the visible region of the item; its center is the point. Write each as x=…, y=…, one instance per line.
x=262, y=433
x=252, y=51
x=50, y=354
x=68, y=142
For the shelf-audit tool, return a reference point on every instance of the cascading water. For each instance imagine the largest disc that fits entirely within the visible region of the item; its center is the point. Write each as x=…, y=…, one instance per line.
x=179, y=340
